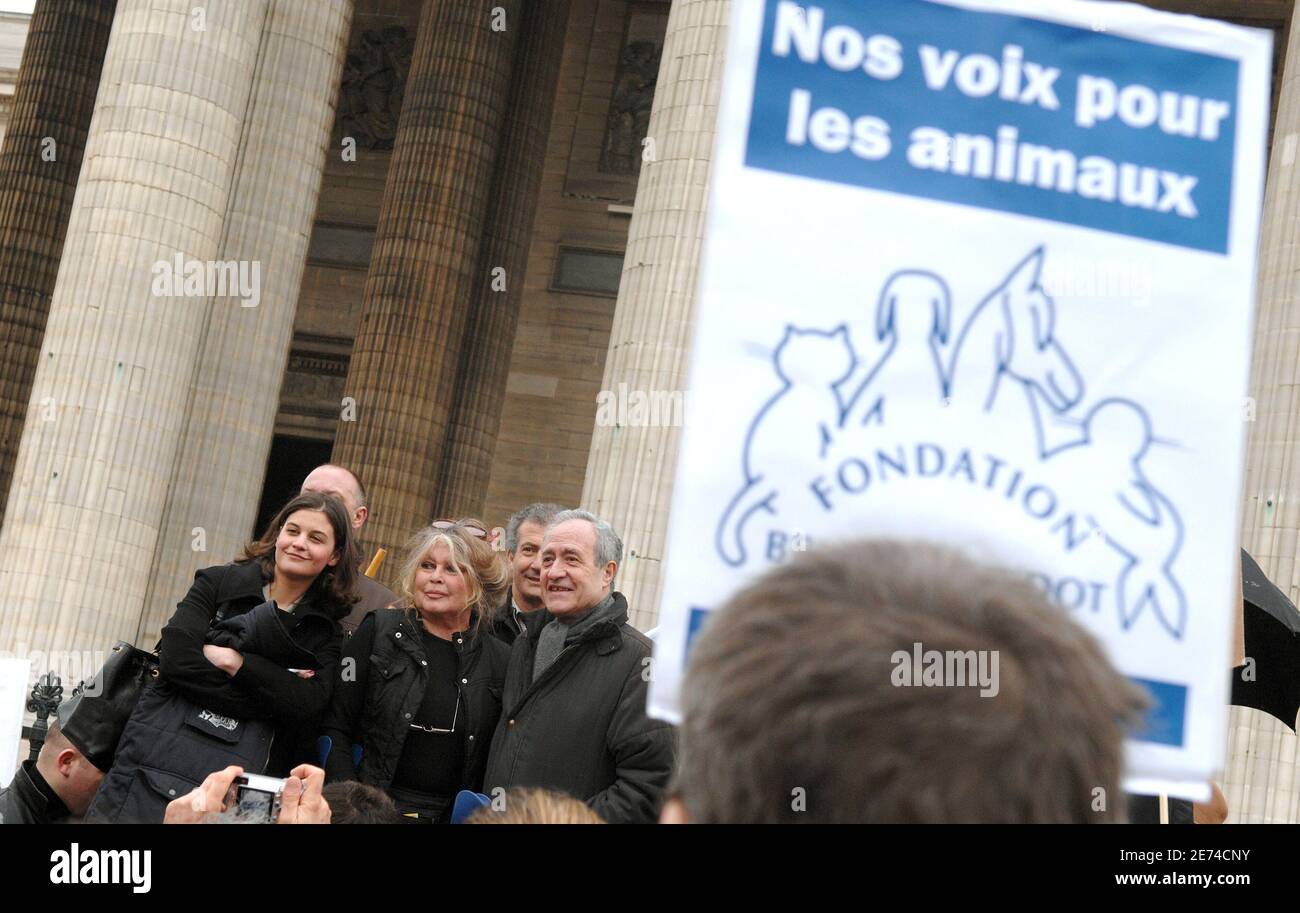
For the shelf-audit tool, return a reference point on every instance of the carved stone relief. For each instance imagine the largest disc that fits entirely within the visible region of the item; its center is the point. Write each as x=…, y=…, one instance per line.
x=374, y=81
x=629, y=109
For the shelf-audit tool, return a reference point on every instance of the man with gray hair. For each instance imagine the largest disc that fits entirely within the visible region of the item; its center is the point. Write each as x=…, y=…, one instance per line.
x=574, y=705
x=524, y=531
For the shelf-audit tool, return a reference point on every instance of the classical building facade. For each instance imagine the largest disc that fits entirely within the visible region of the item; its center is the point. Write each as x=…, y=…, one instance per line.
x=13, y=35
x=452, y=224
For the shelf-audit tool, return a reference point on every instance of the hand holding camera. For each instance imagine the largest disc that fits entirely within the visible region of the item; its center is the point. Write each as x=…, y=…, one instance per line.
x=301, y=801
x=232, y=795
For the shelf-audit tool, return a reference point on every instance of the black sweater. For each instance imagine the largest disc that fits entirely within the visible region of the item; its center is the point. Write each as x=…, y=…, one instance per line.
x=375, y=704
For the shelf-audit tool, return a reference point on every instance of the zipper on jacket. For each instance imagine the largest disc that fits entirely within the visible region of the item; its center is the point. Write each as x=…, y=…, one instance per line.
x=269, y=745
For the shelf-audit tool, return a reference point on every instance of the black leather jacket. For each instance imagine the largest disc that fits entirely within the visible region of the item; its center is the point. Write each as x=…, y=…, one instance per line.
x=382, y=683
x=27, y=800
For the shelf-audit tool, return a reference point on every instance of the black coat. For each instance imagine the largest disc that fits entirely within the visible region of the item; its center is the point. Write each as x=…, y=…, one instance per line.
x=28, y=800
x=384, y=680
x=260, y=688
x=195, y=719
x=582, y=727
x=504, y=627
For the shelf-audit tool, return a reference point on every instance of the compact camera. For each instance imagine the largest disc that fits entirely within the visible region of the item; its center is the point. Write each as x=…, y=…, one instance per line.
x=256, y=799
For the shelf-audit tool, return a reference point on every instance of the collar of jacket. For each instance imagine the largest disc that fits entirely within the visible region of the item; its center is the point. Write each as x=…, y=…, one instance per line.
x=511, y=616
x=246, y=580
x=38, y=795
x=465, y=642
x=313, y=610
x=607, y=634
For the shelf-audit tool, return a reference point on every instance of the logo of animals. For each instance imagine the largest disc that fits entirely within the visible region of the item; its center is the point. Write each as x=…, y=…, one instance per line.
x=1005, y=357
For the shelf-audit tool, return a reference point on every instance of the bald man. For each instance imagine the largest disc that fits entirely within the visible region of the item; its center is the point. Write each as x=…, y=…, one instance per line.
x=343, y=484
x=56, y=788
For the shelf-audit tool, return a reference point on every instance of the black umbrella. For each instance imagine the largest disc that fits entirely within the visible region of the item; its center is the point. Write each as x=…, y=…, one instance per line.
x=1272, y=634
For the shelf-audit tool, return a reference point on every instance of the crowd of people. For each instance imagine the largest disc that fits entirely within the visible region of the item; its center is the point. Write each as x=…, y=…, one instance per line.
x=508, y=671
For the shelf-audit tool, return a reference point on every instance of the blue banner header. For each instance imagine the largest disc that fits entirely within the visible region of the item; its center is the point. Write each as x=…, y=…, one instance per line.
x=999, y=112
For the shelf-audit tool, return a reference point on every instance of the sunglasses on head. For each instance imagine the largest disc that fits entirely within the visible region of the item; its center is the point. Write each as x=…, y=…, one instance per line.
x=452, y=524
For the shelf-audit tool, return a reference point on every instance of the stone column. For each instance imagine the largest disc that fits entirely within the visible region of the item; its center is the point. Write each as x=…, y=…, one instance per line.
x=213, y=495
x=53, y=102
x=119, y=354
x=1262, y=779
x=424, y=269
x=630, y=470
x=490, y=332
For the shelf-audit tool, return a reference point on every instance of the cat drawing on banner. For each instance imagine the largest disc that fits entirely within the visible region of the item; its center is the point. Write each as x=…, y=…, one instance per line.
x=811, y=365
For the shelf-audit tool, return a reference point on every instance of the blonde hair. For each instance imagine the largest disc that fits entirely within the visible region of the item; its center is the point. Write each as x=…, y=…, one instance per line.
x=486, y=572
x=537, y=806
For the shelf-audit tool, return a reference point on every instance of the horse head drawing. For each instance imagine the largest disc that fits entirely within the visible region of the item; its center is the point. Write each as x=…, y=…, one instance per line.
x=1027, y=350
x=1011, y=333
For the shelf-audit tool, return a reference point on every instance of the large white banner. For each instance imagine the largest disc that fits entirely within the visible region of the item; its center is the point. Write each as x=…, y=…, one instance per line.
x=13, y=700
x=983, y=273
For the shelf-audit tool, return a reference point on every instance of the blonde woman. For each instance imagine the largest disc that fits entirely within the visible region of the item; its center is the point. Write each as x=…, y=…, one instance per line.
x=522, y=805
x=419, y=692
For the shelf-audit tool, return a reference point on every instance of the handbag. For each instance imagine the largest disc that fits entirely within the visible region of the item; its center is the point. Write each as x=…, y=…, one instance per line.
x=99, y=709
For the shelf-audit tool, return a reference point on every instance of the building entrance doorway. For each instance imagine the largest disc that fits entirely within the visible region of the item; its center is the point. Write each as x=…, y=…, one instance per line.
x=290, y=460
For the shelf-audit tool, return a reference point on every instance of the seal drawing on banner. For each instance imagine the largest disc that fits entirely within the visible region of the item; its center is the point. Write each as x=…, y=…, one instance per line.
x=1005, y=361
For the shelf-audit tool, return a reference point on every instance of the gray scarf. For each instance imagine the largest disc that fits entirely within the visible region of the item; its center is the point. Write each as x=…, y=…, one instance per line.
x=550, y=643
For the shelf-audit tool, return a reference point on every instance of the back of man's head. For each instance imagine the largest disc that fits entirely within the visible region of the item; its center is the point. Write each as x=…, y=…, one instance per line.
x=55, y=742
x=357, y=803
x=800, y=706
x=66, y=770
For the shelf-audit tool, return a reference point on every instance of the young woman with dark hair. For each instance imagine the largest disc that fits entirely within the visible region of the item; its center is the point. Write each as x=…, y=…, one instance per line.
x=247, y=665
